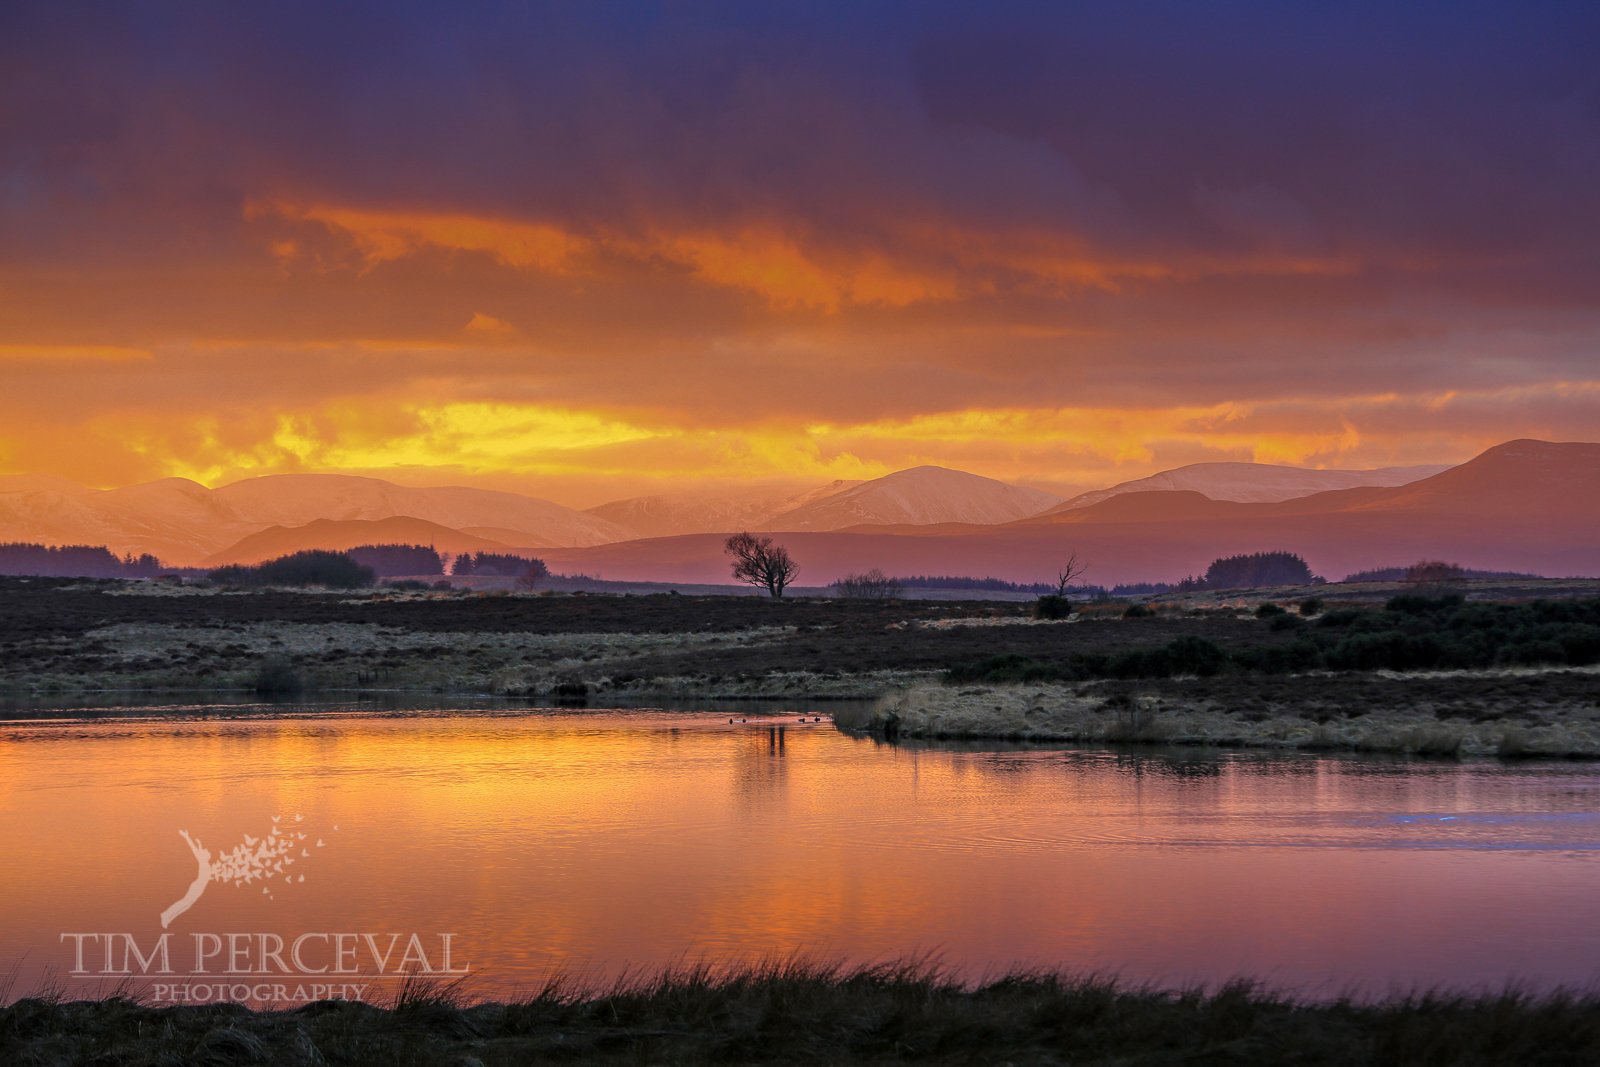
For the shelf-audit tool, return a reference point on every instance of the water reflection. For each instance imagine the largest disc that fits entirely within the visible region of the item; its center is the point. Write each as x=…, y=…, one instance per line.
x=545, y=838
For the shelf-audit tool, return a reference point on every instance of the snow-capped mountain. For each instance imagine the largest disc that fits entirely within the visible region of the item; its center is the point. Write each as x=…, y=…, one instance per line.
x=921, y=496
x=720, y=512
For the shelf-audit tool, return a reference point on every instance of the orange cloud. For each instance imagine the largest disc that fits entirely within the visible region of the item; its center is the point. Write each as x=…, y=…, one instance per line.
x=917, y=263
x=385, y=236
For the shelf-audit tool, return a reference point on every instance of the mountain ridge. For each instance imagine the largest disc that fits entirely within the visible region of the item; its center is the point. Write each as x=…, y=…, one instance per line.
x=1259, y=483
x=917, y=496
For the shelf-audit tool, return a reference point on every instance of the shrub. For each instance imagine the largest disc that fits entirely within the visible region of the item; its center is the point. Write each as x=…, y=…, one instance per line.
x=1416, y=604
x=872, y=585
x=1342, y=617
x=1138, y=611
x=443, y=585
x=1052, y=606
x=1284, y=621
x=276, y=677
x=1268, y=610
x=1310, y=605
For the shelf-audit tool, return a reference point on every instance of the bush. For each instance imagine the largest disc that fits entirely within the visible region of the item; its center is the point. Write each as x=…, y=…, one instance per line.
x=1284, y=621
x=276, y=677
x=1052, y=606
x=1342, y=617
x=1138, y=611
x=1310, y=606
x=873, y=585
x=1268, y=610
x=408, y=585
x=1416, y=604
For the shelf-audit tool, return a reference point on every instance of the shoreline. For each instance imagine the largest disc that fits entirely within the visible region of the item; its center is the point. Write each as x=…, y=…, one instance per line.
x=1163, y=712
x=1549, y=713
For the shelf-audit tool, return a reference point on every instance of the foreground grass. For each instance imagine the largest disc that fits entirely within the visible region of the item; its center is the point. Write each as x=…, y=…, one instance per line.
x=804, y=1013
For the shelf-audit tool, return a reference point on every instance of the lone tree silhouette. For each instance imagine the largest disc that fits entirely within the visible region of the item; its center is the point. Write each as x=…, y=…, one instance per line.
x=759, y=562
x=1057, y=605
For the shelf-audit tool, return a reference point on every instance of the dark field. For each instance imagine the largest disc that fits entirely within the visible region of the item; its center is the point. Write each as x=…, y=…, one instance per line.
x=68, y=635
x=44, y=623
x=795, y=1014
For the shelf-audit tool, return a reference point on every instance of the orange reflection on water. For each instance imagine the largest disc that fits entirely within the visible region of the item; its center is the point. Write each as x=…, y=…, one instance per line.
x=597, y=840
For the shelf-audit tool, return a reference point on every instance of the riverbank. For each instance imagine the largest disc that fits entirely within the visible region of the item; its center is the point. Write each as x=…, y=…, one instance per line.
x=794, y=1013
x=1513, y=713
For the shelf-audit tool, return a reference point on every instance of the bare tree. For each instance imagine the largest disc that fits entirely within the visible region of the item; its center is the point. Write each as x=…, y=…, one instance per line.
x=873, y=585
x=1056, y=605
x=1070, y=572
x=758, y=561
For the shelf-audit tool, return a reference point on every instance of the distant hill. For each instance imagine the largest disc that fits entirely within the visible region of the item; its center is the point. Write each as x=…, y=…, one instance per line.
x=723, y=511
x=183, y=522
x=1519, y=481
x=1257, y=483
x=1524, y=506
x=917, y=497
x=339, y=535
x=295, y=499
x=80, y=516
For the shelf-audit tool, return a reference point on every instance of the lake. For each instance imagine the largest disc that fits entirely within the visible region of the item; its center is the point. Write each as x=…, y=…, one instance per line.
x=510, y=844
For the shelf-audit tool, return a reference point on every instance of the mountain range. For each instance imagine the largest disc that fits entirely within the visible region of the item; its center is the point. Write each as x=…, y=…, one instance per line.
x=922, y=520
x=1529, y=506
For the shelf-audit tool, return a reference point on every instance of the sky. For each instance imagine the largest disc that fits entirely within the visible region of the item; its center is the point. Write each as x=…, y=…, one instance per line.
x=589, y=251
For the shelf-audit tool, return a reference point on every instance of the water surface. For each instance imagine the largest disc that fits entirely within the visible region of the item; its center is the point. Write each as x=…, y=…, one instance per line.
x=549, y=839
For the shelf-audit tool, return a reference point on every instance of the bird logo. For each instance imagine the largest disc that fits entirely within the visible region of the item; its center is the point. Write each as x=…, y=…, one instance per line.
x=264, y=859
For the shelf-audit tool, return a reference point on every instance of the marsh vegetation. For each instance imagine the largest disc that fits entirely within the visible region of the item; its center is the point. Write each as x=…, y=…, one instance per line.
x=794, y=1012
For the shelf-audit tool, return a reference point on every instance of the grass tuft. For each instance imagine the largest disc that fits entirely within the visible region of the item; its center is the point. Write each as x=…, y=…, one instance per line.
x=790, y=1010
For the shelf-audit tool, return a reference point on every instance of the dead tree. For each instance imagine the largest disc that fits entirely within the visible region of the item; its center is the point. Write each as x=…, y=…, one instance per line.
x=1070, y=572
x=1057, y=605
x=758, y=561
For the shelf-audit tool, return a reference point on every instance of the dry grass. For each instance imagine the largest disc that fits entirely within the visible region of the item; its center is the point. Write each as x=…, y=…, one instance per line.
x=798, y=1012
x=1098, y=713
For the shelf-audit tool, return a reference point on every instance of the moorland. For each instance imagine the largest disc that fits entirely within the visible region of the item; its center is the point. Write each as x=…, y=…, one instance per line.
x=1506, y=668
